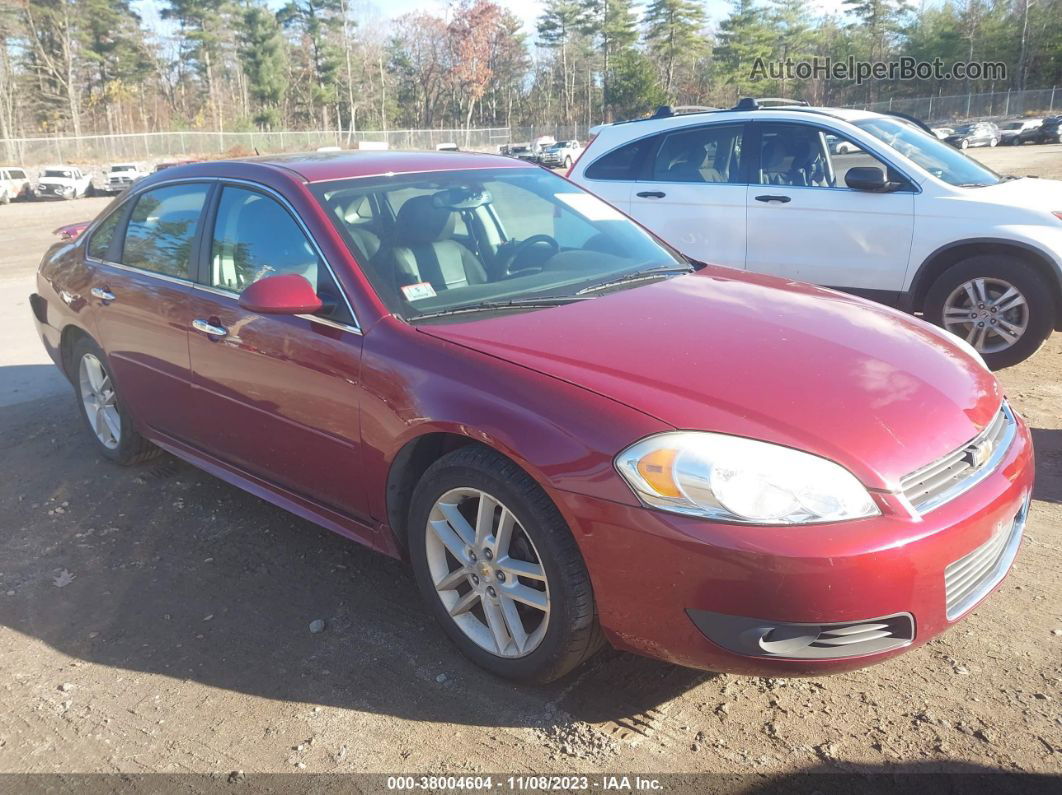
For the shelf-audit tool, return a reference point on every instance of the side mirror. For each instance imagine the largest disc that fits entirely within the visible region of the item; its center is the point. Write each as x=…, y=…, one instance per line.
x=282, y=294
x=868, y=178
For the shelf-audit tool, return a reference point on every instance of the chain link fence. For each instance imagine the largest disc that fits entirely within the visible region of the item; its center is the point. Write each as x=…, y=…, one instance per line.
x=155, y=147
x=975, y=107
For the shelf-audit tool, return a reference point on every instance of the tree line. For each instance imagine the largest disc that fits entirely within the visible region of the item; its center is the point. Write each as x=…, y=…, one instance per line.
x=93, y=66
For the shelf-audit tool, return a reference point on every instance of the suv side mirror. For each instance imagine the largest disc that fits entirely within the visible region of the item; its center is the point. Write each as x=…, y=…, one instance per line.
x=869, y=178
x=281, y=294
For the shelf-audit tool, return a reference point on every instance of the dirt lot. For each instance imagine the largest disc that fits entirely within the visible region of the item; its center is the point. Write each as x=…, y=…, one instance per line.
x=156, y=619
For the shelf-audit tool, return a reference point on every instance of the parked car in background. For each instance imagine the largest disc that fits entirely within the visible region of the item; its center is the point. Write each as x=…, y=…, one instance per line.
x=942, y=132
x=63, y=182
x=561, y=154
x=839, y=146
x=448, y=146
x=1048, y=132
x=574, y=435
x=907, y=220
x=981, y=133
x=531, y=152
x=14, y=184
x=121, y=176
x=1010, y=132
x=171, y=163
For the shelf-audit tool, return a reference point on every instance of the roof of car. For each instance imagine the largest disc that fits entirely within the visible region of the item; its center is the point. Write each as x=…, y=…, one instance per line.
x=321, y=166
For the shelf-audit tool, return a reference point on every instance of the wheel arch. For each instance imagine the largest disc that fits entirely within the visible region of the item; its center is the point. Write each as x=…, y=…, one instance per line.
x=944, y=257
x=68, y=340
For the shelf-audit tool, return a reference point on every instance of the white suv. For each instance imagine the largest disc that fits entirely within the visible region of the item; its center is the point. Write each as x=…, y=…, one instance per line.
x=895, y=215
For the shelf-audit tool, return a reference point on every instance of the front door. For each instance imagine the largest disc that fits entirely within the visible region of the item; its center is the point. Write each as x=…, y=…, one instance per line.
x=806, y=224
x=276, y=396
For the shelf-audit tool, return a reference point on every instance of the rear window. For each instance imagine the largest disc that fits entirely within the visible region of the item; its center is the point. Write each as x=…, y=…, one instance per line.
x=622, y=163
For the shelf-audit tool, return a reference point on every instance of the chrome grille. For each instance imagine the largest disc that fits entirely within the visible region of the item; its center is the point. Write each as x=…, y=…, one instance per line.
x=948, y=477
x=971, y=577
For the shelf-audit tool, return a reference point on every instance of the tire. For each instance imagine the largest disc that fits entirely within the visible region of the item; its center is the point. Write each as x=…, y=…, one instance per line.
x=130, y=447
x=4, y=198
x=993, y=142
x=567, y=164
x=964, y=144
x=570, y=633
x=1039, y=307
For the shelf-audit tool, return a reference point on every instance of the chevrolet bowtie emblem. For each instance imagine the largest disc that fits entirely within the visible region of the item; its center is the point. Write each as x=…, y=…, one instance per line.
x=979, y=453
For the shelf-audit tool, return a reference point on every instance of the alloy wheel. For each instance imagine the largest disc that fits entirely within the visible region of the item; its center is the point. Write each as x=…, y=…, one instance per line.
x=100, y=401
x=990, y=314
x=487, y=572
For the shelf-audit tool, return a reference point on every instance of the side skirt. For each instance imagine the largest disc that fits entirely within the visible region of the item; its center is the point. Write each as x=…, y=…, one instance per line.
x=375, y=537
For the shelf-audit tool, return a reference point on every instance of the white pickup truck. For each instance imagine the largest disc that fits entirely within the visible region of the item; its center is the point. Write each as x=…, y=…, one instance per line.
x=121, y=175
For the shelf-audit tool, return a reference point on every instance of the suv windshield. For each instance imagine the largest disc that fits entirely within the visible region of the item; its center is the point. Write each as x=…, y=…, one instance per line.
x=57, y=173
x=938, y=158
x=122, y=168
x=456, y=241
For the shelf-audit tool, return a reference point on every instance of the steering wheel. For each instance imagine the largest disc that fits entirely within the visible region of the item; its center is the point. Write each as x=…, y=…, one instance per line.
x=519, y=248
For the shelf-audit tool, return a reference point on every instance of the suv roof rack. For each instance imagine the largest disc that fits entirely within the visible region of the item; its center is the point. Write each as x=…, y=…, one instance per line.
x=755, y=103
x=666, y=111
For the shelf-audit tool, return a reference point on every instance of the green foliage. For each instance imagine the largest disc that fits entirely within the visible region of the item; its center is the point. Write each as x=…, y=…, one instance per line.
x=674, y=35
x=744, y=37
x=263, y=55
x=632, y=88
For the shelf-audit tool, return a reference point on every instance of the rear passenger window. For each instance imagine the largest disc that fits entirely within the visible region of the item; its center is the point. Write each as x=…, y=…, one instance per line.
x=620, y=164
x=162, y=229
x=100, y=242
x=703, y=154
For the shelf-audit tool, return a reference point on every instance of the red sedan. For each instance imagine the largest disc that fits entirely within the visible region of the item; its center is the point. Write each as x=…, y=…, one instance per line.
x=575, y=435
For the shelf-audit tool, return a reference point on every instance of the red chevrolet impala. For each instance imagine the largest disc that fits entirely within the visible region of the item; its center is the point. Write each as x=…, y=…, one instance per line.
x=575, y=435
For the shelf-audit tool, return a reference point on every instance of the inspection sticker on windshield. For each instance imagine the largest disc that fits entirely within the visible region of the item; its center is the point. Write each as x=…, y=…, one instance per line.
x=418, y=291
x=590, y=207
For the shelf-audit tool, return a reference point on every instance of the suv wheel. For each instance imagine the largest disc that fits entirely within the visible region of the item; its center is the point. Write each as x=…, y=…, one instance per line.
x=4, y=198
x=568, y=163
x=964, y=144
x=104, y=414
x=499, y=568
x=1000, y=305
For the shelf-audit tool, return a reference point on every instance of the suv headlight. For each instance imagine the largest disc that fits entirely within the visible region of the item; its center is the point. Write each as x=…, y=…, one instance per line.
x=733, y=479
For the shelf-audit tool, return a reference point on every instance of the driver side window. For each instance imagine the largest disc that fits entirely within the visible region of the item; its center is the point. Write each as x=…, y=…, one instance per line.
x=255, y=237
x=804, y=156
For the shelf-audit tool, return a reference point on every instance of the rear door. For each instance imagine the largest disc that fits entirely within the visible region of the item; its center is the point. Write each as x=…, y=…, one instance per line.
x=275, y=395
x=141, y=260
x=691, y=192
x=806, y=224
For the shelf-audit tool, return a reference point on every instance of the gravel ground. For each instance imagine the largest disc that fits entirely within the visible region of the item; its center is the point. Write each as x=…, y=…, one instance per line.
x=157, y=620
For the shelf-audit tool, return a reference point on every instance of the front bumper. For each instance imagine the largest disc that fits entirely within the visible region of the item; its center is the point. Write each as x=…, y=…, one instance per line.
x=656, y=575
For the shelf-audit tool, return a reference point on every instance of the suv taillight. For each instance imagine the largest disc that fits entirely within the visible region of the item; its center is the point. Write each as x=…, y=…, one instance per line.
x=579, y=156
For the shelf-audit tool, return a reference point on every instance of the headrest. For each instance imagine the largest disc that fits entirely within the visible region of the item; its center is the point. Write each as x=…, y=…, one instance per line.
x=420, y=221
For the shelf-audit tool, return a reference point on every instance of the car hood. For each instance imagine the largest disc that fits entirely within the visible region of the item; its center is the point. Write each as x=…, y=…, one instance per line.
x=56, y=181
x=1031, y=192
x=880, y=392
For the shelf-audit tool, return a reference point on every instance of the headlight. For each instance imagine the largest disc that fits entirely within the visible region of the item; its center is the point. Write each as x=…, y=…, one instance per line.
x=733, y=479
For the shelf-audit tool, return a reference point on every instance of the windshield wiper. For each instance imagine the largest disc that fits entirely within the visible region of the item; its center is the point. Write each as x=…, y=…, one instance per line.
x=515, y=303
x=648, y=273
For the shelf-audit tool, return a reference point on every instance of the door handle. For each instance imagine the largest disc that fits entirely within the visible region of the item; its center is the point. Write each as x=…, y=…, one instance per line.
x=782, y=199
x=651, y=194
x=102, y=293
x=209, y=328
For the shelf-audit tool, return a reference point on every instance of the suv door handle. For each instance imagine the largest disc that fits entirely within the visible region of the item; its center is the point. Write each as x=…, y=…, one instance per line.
x=782, y=199
x=102, y=293
x=651, y=194
x=209, y=328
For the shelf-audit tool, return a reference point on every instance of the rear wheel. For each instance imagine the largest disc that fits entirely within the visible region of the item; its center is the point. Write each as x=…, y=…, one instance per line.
x=499, y=568
x=964, y=144
x=4, y=198
x=567, y=163
x=1000, y=305
x=107, y=418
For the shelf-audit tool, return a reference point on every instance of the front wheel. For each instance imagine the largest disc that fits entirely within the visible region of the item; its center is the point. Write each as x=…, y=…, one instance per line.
x=1000, y=305
x=567, y=164
x=499, y=568
x=965, y=144
x=104, y=413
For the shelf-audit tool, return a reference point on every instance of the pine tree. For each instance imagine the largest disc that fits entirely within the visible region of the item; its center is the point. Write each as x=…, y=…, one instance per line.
x=263, y=54
x=319, y=23
x=674, y=34
x=611, y=23
x=560, y=23
x=744, y=38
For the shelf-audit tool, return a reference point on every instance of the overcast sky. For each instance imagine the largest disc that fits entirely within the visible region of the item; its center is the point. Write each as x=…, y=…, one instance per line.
x=528, y=10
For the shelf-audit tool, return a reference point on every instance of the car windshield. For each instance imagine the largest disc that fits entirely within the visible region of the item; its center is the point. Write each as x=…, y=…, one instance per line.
x=457, y=241
x=122, y=168
x=56, y=173
x=938, y=158
x=1012, y=125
